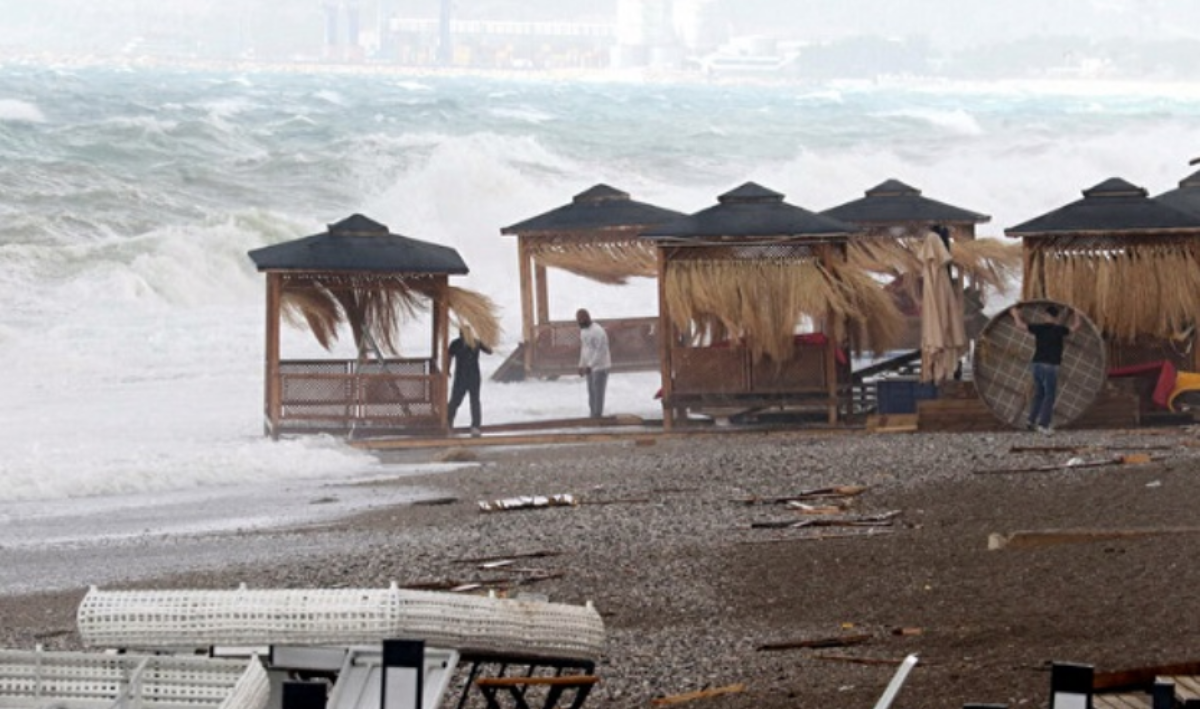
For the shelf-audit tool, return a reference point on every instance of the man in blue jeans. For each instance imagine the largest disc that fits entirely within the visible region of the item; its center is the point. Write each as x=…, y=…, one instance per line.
x=1049, y=337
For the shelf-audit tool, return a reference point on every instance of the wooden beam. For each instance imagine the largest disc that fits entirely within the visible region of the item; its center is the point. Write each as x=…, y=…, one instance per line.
x=273, y=390
x=542, y=294
x=441, y=355
x=525, y=276
x=666, y=336
x=700, y=694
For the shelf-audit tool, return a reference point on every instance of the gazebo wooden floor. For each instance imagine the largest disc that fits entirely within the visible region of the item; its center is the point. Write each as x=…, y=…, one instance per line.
x=612, y=429
x=959, y=408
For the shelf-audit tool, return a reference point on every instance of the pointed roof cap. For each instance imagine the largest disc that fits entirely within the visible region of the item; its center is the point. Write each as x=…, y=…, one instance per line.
x=359, y=244
x=1186, y=197
x=892, y=202
x=752, y=211
x=1111, y=206
x=598, y=207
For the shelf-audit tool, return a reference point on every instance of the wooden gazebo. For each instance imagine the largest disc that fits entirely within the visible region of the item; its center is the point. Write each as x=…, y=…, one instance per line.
x=596, y=237
x=893, y=219
x=361, y=275
x=1129, y=262
x=756, y=305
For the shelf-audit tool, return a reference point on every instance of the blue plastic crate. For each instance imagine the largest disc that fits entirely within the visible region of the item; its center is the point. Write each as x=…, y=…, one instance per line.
x=900, y=395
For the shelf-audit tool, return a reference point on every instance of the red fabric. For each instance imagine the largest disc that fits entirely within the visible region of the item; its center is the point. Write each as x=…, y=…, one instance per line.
x=1166, y=385
x=1165, y=372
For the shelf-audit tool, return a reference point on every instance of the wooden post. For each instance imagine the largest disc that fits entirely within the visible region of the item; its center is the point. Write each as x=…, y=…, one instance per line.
x=665, y=338
x=525, y=275
x=273, y=386
x=831, y=347
x=441, y=336
x=1026, y=269
x=542, y=294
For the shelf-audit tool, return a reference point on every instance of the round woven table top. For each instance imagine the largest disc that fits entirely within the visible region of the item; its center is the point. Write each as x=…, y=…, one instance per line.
x=1003, y=353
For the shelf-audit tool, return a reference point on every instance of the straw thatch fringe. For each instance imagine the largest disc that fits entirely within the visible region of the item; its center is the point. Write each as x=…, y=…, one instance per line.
x=763, y=301
x=375, y=308
x=477, y=312
x=876, y=321
x=990, y=263
x=613, y=262
x=1129, y=291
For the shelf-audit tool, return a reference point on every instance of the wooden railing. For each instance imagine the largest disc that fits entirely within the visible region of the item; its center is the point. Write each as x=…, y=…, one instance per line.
x=345, y=396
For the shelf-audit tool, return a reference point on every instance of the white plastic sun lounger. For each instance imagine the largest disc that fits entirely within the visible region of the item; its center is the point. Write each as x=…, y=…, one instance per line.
x=180, y=619
x=37, y=679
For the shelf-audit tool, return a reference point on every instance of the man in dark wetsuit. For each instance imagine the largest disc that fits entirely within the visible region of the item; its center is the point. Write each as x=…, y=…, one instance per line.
x=464, y=356
x=1049, y=338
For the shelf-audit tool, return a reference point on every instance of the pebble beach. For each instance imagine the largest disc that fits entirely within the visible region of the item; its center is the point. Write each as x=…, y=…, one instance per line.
x=709, y=581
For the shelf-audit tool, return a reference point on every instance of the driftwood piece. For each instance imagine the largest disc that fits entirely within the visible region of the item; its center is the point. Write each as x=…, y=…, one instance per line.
x=1033, y=539
x=884, y=519
x=835, y=641
x=820, y=493
x=701, y=694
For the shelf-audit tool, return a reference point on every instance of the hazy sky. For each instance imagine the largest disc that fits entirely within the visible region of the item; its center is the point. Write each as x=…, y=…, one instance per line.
x=83, y=24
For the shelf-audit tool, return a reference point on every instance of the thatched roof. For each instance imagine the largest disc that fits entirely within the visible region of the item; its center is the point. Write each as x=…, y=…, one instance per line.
x=752, y=212
x=1111, y=207
x=598, y=208
x=893, y=202
x=1186, y=197
x=358, y=244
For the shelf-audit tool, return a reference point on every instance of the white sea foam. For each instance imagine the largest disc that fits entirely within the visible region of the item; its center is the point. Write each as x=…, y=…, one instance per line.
x=132, y=333
x=17, y=111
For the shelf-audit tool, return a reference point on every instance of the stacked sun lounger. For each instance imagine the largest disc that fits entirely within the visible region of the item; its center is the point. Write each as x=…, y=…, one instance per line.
x=35, y=679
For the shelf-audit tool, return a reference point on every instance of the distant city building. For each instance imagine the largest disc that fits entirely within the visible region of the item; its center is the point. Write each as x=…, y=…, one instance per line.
x=698, y=25
x=499, y=44
x=335, y=49
x=645, y=34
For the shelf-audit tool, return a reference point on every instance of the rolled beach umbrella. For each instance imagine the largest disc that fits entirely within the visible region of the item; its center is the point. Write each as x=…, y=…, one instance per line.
x=943, y=336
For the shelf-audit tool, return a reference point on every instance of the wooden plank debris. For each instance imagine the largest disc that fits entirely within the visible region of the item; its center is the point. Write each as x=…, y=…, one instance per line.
x=527, y=502
x=815, y=643
x=499, y=557
x=820, y=493
x=701, y=694
x=870, y=532
x=883, y=519
x=1077, y=449
x=1073, y=464
x=1033, y=539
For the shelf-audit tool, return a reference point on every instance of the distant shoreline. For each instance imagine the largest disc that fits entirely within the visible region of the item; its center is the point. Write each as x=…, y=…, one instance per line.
x=1042, y=85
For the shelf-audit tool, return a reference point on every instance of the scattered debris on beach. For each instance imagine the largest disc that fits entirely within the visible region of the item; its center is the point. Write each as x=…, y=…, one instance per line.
x=527, y=502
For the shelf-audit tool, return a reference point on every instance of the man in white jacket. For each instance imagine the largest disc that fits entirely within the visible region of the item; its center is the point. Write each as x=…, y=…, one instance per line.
x=594, y=360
